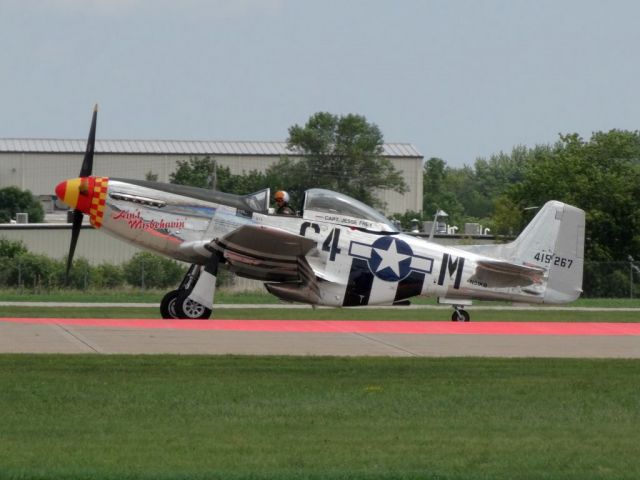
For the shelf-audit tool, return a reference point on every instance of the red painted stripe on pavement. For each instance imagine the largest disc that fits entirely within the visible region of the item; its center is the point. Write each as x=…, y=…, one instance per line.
x=337, y=326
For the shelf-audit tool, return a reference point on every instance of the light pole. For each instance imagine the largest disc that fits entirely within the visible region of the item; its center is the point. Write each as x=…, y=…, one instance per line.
x=632, y=268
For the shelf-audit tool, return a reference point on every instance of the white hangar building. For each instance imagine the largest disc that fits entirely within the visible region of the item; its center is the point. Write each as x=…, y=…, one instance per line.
x=39, y=164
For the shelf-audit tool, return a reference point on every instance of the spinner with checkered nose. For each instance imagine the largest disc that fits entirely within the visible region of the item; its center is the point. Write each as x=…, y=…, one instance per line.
x=335, y=251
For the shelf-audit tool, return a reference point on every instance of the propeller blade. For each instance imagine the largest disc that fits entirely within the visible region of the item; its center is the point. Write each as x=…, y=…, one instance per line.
x=75, y=233
x=87, y=163
x=85, y=171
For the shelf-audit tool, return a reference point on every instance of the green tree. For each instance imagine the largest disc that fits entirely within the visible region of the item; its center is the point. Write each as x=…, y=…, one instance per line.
x=343, y=153
x=494, y=175
x=444, y=189
x=474, y=193
x=601, y=176
x=14, y=200
x=507, y=217
x=205, y=172
x=202, y=172
x=246, y=182
x=433, y=182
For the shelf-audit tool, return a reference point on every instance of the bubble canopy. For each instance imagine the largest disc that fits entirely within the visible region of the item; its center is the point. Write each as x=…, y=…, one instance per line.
x=330, y=206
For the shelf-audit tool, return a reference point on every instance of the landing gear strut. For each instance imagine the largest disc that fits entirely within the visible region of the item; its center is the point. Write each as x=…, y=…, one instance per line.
x=198, y=284
x=460, y=315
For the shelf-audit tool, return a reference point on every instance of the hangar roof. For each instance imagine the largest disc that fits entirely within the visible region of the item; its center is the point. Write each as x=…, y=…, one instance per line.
x=173, y=147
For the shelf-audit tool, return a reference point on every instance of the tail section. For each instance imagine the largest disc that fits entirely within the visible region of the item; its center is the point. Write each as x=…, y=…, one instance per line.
x=554, y=240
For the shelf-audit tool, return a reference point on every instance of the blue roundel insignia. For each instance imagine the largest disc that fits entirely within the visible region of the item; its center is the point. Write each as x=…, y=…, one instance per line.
x=390, y=259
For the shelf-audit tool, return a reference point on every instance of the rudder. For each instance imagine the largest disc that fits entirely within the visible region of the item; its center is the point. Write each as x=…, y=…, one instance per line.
x=554, y=240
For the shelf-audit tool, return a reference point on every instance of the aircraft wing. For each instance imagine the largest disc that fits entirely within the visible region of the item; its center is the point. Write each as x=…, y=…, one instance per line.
x=501, y=274
x=266, y=253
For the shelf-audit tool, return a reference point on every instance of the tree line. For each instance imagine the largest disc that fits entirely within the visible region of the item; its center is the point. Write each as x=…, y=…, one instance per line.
x=600, y=175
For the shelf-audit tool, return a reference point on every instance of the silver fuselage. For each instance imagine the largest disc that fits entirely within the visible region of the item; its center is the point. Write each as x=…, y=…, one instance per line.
x=355, y=266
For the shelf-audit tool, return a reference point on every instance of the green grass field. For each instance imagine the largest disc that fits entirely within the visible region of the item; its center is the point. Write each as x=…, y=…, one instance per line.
x=399, y=313
x=175, y=417
x=114, y=417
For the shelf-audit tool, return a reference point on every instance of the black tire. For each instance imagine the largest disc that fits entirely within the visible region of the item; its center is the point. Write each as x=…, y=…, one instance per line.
x=168, y=305
x=188, y=309
x=460, y=316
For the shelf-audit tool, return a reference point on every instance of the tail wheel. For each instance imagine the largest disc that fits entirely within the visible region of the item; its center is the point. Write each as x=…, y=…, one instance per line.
x=168, y=305
x=460, y=315
x=187, y=308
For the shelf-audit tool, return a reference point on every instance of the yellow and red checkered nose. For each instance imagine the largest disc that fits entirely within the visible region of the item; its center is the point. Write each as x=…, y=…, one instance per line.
x=87, y=194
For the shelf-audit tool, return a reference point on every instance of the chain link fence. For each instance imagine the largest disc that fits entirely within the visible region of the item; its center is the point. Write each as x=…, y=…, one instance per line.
x=611, y=279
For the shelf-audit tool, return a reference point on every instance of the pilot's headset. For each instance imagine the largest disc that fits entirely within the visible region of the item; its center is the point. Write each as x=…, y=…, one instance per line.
x=282, y=196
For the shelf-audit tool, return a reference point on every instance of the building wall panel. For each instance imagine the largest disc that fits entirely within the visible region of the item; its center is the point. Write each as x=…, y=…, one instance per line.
x=40, y=172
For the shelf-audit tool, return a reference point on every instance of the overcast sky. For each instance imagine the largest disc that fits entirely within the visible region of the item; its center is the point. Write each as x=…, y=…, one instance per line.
x=458, y=79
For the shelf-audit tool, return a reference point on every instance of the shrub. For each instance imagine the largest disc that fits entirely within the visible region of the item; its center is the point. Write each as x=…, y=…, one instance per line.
x=32, y=270
x=11, y=248
x=107, y=275
x=148, y=270
x=606, y=279
x=80, y=276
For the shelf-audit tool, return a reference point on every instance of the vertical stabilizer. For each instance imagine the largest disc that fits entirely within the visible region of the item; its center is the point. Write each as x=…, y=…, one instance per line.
x=554, y=240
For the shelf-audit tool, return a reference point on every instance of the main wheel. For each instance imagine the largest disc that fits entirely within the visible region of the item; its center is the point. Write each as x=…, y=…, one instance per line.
x=187, y=308
x=168, y=304
x=460, y=316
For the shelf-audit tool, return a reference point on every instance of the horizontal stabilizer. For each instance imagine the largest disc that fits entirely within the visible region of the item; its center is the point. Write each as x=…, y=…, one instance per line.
x=500, y=274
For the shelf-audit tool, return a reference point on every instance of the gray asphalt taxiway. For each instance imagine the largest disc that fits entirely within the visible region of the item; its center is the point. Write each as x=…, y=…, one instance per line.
x=321, y=338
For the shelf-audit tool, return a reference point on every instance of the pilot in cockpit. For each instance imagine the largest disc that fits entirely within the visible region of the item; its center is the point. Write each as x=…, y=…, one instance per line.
x=282, y=202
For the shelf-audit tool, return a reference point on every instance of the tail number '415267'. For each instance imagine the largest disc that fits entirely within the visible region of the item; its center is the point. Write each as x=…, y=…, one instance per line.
x=552, y=258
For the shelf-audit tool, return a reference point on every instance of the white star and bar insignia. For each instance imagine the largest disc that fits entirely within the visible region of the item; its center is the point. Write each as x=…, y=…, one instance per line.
x=390, y=259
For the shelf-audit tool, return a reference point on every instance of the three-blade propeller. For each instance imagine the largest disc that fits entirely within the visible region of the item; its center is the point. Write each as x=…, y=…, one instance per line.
x=85, y=171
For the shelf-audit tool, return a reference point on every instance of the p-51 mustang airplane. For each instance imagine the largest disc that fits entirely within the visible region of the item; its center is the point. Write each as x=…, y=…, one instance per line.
x=338, y=252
